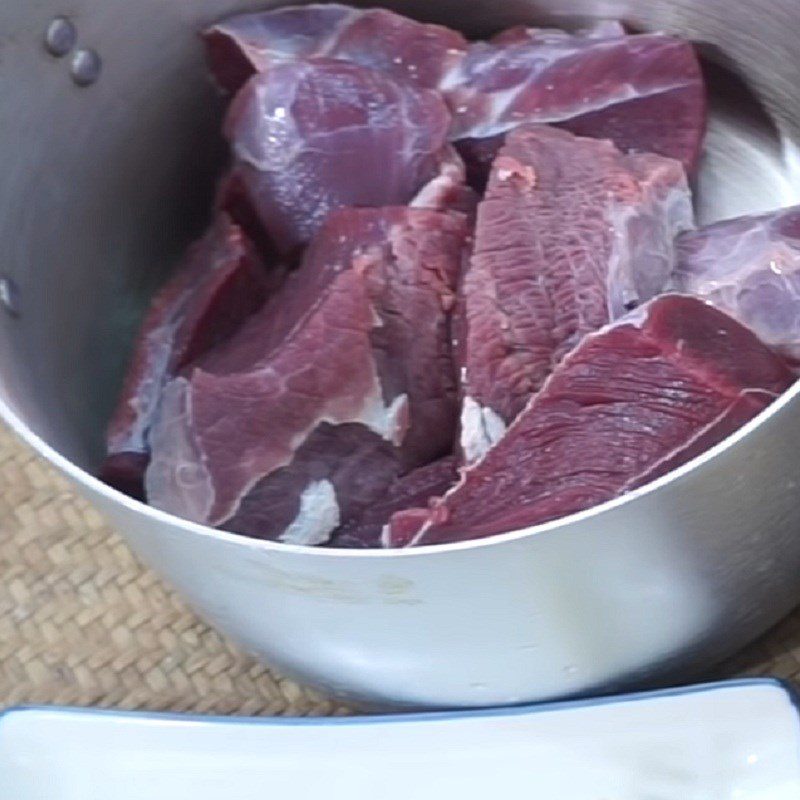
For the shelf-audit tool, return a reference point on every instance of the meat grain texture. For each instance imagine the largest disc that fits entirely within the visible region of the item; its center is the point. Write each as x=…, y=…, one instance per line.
x=570, y=234
x=632, y=402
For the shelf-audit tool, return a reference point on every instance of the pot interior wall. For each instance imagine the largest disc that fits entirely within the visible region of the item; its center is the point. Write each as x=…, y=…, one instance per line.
x=104, y=186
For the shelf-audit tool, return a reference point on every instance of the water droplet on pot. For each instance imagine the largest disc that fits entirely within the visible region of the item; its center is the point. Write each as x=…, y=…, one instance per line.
x=60, y=37
x=85, y=67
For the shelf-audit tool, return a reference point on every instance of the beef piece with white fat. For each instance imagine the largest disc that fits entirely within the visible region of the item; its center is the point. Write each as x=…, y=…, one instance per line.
x=629, y=404
x=341, y=383
x=644, y=92
x=220, y=283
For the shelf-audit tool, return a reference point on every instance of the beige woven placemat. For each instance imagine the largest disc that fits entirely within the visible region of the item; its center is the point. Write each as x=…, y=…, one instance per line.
x=83, y=623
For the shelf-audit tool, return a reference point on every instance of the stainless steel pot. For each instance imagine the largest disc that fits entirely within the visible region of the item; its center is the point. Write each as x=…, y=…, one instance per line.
x=101, y=187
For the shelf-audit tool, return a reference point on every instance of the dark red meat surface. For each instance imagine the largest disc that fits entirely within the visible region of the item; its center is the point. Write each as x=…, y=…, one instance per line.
x=629, y=404
x=410, y=491
x=644, y=92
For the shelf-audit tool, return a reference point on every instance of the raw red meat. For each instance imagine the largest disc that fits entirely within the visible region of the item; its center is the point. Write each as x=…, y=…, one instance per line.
x=343, y=381
x=629, y=404
x=402, y=48
x=645, y=92
x=750, y=268
x=410, y=491
x=570, y=235
x=221, y=282
x=447, y=190
x=315, y=135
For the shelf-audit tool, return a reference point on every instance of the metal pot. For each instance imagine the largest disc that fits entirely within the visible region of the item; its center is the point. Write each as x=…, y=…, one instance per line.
x=103, y=185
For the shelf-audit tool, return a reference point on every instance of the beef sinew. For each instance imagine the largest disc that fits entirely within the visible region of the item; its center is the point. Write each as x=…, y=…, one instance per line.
x=316, y=135
x=343, y=382
x=402, y=48
x=629, y=404
x=645, y=92
x=571, y=234
x=750, y=268
x=220, y=283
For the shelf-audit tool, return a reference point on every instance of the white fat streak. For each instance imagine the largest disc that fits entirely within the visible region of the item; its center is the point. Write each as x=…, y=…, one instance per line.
x=389, y=422
x=386, y=536
x=317, y=518
x=451, y=174
x=499, y=119
x=428, y=196
x=177, y=480
x=144, y=403
x=481, y=429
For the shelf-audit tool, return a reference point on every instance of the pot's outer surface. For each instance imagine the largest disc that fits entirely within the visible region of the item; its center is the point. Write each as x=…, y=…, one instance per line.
x=102, y=187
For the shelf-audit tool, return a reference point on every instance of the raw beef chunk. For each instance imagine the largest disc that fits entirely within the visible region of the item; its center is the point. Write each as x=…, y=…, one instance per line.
x=571, y=234
x=750, y=268
x=312, y=136
x=644, y=92
x=341, y=383
x=411, y=491
x=402, y=48
x=630, y=403
x=221, y=283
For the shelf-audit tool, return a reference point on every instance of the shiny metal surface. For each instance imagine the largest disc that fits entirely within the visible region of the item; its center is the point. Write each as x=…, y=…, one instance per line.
x=104, y=184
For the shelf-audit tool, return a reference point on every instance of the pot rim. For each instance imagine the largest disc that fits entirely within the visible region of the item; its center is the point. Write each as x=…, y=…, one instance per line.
x=156, y=516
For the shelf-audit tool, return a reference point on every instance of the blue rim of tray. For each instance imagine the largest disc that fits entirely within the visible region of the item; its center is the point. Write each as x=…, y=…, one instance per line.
x=788, y=689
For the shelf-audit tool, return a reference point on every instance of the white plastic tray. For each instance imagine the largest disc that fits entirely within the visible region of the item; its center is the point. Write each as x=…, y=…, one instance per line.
x=731, y=741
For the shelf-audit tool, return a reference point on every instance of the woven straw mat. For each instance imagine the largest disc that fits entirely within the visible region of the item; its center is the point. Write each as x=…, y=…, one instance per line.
x=82, y=622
